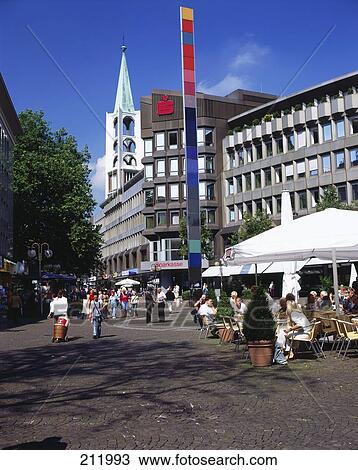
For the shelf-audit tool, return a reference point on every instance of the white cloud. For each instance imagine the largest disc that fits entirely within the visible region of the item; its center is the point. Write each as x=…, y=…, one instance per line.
x=250, y=54
x=228, y=84
x=98, y=170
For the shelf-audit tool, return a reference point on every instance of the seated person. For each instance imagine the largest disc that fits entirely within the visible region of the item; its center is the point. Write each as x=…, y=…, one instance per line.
x=311, y=301
x=238, y=307
x=207, y=312
x=325, y=303
x=300, y=327
x=348, y=304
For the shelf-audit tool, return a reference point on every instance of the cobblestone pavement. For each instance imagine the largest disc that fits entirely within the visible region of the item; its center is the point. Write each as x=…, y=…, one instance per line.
x=161, y=387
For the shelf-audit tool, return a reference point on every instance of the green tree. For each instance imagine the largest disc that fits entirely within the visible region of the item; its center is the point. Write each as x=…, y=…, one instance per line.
x=253, y=225
x=207, y=238
x=258, y=321
x=329, y=199
x=224, y=307
x=53, y=199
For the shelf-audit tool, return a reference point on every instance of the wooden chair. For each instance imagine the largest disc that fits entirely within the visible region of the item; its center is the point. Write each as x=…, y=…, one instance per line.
x=311, y=341
x=349, y=333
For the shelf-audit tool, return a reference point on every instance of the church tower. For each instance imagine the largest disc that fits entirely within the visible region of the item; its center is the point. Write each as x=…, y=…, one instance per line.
x=124, y=145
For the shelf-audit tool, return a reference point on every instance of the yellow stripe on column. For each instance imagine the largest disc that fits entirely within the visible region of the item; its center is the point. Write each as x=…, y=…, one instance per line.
x=187, y=13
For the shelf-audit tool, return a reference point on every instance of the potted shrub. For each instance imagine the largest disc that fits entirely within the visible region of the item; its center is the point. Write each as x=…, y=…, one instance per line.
x=224, y=307
x=268, y=117
x=259, y=329
x=276, y=114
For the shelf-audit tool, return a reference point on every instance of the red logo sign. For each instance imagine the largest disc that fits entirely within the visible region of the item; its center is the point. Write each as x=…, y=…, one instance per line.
x=165, y=106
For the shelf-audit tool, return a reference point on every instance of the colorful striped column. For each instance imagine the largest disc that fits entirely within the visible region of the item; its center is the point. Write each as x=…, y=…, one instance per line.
x=191, y=150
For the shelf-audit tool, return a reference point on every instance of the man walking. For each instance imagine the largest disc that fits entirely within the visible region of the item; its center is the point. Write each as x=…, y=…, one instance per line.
x=170, y=299
x=96, y=317
x=113, y=302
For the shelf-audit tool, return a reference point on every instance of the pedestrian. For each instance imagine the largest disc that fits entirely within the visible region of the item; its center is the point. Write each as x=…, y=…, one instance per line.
x=149, y=302
x=124, y=299
x=170, y=299
x=96, y=317
x=15, y=306
x=205, y=289
x=176, y=291
x=134, y=304
x=113, y=302
x=161, y=305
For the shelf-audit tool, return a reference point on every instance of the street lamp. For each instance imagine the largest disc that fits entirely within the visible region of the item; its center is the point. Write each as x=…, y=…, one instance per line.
x=155, y=269
x=40, y=250
x=220, y=264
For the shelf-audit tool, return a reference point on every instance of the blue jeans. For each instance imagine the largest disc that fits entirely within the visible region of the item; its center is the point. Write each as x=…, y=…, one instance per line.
x=96, y=324
x=114, y=311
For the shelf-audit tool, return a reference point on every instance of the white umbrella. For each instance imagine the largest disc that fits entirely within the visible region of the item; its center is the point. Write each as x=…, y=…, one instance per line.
x=127, y=282
x=353, y=275
x=290, y=279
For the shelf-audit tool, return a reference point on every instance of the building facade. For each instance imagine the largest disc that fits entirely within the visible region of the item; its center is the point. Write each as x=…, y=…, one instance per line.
x=122, y=220
x=9, y=128
x=302, y=143
x=164, y=171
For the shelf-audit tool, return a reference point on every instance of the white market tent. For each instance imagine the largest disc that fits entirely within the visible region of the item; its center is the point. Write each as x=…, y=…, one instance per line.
x=331, y=234
x=127, y=282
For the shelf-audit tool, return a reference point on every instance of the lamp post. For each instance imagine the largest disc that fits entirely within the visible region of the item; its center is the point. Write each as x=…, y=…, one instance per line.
x=155, y=269
x=40, y=250
x=220, y=264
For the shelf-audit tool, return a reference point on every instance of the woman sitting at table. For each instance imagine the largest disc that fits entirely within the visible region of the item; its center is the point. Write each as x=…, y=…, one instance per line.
x=311, y=301
x=300, y=326
x=325, y=302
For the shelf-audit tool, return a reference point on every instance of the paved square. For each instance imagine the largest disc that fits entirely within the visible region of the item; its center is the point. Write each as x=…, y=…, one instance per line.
x=161, y=387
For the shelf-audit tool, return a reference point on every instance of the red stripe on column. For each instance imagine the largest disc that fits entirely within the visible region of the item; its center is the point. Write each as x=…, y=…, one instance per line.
x=187, y=26
x=189, y=76
x=188, y=50
x=188, y=63
x=189, y=88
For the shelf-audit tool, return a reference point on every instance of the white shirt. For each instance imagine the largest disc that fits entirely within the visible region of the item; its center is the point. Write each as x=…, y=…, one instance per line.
x=206, y=311
x=299, y=318
x=59, y=306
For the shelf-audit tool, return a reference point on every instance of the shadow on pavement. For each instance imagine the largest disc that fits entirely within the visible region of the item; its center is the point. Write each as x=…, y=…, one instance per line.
x=50, y=443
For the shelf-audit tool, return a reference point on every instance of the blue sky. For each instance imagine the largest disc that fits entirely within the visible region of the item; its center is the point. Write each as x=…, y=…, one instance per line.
x=257, y=45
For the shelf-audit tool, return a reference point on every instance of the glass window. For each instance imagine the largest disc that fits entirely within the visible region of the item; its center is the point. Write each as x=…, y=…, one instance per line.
x=302, y=198
x=174, y=218
x=290, y=141
x=355, y=191
x=248, y=182
x=184, y=190
x=231, y=211
x=230, y=186
x=201, y=164
x=313, y=166
x=258, y=205
x=354, y=156
x=314, y=135
x=268, y=179
x=210, y=191
x=184, y=165
x=248, y=207
x=314, y=196
x=239, y=211
x=174, y=170
x=339, y=160
x=268, y=144
x=148, y=172
x=209, y=164
x=327, y=132
x=239, y=184
x=231, y=160
x=173, y=139
x=182, y=138
x=301, y=139
x=149, y=197
x=258, y=151
x=160, y=167
x=340, y=128
x=354, y=125
x=342, y=193
x=161, y=218
x=268, y=204
x=210, y=216
x=112, y=182
x=240, y=155
x=279, y=145
x=209, y=140
x=200, y=136
x=148, y=147
x=202, y=190
x=149, y=222
x=289, y=171
x=249, y=154
x=278, y=174
x=301, y=169
x=160, y=192
x=159, y=141
x=326, y=163
x=257, y=176
x=278, y=204
x=174, y=191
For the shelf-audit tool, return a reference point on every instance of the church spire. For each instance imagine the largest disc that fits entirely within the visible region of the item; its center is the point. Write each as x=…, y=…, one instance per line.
x=124, y=99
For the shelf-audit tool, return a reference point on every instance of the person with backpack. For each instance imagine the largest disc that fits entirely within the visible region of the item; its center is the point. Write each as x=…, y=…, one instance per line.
x=96, y=317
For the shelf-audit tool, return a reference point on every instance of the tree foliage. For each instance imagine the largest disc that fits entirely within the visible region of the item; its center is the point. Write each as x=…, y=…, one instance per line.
x=253, y=225
x=330, y=199
x=258, y=321
x=53, y=199
x=207, y=237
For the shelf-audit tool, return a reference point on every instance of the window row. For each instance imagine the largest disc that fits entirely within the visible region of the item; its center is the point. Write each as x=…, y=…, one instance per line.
x=170, y=167
x=167, y=219
x=170, y=140
x=303, y=168
x=290, y=141
x=171, y=192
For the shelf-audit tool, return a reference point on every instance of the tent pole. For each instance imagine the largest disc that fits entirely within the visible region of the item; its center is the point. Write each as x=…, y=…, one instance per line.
x=335, y=279
x=255, y=274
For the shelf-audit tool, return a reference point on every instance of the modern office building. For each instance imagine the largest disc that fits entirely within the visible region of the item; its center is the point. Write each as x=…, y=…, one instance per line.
x=164, y=170
x=9, y=128
x=122, y=221
x=302, y=143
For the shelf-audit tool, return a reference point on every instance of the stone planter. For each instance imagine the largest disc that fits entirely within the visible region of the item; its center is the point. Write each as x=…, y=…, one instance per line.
x=247, y=135
x=277, y=125
x=311, y=114
x=287, y=121
x=266, y=128
x=229, y=141
x=261, y=353
x=256, y=132
x=299, y=117
x=324, y=110
x=337, y=105
x=351, y=101
x=238, y=138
